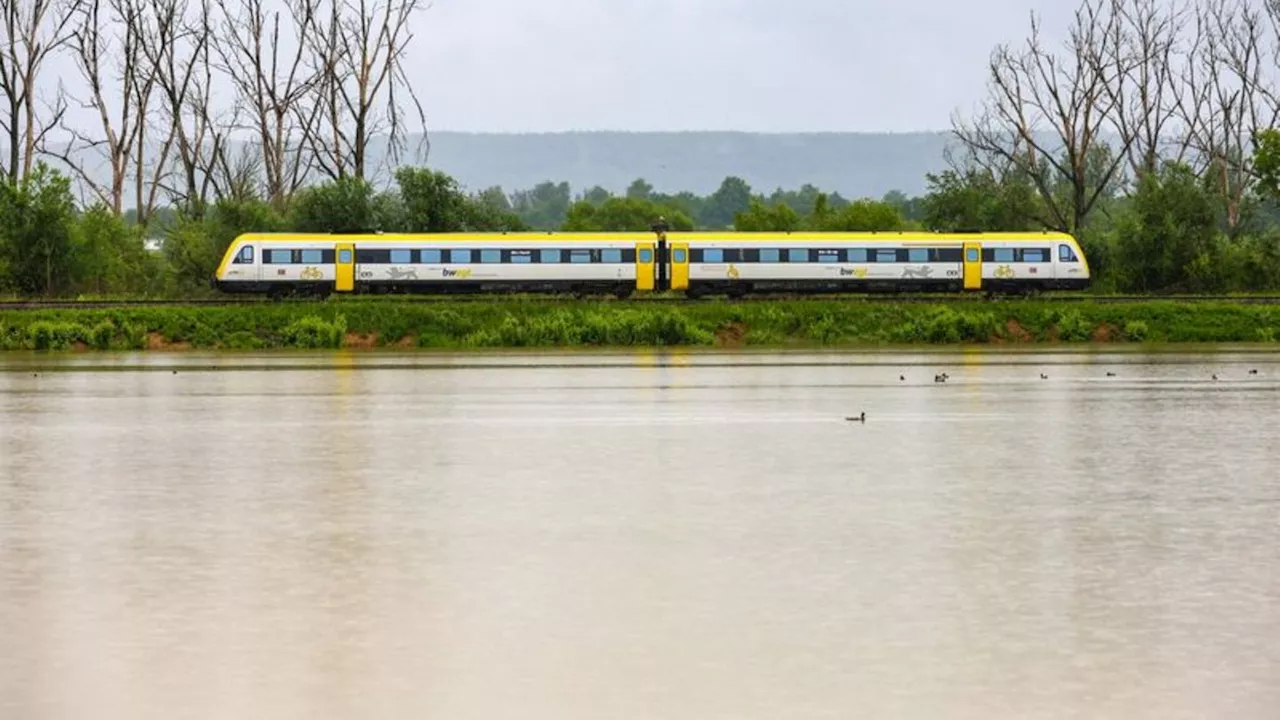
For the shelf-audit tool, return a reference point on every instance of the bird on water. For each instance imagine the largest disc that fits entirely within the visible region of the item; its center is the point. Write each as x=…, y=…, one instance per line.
x=860, y=417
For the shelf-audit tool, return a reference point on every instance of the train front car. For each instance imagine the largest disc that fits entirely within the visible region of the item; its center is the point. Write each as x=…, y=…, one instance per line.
x=279, y=265
x=741, y=263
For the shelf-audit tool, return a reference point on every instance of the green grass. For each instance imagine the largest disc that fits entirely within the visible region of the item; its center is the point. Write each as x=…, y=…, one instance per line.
x=537, y=324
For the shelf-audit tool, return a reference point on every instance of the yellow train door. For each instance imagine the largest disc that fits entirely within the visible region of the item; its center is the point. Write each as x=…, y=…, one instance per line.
x=972, y=266
x=679, y=266
x=644, y=266
x=345, y=280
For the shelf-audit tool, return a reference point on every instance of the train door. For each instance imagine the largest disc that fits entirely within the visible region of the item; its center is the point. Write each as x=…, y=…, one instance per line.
x=645, y=263
x=679, y=266
x=972, y=266
x=345, y=280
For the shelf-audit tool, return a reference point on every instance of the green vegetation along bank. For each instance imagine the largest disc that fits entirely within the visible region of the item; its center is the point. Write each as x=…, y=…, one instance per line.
x=541, y=324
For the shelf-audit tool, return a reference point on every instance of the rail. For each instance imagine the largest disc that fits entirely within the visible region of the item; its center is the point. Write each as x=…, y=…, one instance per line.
x=419, y=299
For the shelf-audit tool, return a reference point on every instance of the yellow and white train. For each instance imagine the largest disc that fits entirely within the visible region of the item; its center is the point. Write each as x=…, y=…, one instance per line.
x=696, y=263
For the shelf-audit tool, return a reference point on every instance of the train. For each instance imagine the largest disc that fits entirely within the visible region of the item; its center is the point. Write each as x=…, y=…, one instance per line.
x=623, y=264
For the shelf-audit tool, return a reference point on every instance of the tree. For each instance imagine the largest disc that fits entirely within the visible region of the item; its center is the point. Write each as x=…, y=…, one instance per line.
x=862, y=216
x=37, y=225
x=978, y=200
x=1171, y=228
x=32, y=30
x=1140, y=62
x=110, y=33
x=109, y=255
x=356, y=50
x=543, y=207
x=732, y=197
x=175, y=39
x=761, y=217
x=271, y=80
x=1226, y=97
x=1266, y=161
x=342, y=205
x=639, y=190
x=1046, y=114
x=623, y=215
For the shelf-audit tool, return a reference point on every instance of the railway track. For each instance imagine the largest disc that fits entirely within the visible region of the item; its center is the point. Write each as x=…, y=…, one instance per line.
x=666, y=300
x=410, y=299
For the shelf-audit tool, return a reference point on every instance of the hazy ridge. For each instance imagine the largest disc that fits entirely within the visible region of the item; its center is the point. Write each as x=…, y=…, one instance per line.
x=854, y=164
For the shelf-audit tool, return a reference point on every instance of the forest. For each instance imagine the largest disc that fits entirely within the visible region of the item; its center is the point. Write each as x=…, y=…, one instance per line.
x=1149, y=134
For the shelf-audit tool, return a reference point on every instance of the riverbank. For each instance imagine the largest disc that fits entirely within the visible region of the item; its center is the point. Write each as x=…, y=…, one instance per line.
x=525, y=323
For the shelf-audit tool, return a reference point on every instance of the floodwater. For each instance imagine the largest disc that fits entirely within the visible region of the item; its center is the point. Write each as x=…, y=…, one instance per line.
x=640, y=535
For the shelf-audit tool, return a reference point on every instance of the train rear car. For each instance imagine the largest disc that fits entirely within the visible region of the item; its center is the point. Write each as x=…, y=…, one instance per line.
x=741, y=263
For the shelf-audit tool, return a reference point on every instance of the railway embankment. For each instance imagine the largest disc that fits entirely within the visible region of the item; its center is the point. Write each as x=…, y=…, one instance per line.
x=513, y=323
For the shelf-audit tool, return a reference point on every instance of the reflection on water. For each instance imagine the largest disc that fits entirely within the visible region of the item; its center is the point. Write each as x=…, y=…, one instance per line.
x=639, y=535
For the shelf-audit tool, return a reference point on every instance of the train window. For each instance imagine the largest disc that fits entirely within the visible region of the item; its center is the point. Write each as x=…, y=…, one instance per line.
x=828, y=256
x=279, y=257
x=1066, y=254
x=1035, y=255
x=886, y=256
x=679, y=256
x=858, y=255
x=245, y=256
x=1002, y=255
x=646, y=255
x=550, y=256
x=459, y=256
x=490, y=256
x=312, y=257
x=344, y=256
x=611, y=256
x=429, y=257
x=918, y=255
x=711, y=255
x=770, y=255
x=579, y=256
x=971, y=255
x=521, y=257
x=948, y=255
x=401, y=257
x=797, y=256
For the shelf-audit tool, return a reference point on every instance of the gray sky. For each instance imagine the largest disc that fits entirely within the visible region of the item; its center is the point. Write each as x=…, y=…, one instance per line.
x=759, y=65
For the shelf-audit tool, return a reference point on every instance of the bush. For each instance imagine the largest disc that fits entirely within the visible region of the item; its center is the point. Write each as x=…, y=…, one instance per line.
x=313, y=333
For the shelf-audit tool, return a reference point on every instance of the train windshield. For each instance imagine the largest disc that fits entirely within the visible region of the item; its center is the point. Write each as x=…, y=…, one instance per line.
x=245, y=255
x=1066, y=254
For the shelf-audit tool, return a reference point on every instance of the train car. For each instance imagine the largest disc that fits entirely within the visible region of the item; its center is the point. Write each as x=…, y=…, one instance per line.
x=698, y=264
x=739, y=263
x=281, y=264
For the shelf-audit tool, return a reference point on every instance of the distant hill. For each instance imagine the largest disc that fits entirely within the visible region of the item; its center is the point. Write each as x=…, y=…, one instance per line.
x=854, y=164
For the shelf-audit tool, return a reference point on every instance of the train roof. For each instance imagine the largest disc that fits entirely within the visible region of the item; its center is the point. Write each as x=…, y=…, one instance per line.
x=724, y=236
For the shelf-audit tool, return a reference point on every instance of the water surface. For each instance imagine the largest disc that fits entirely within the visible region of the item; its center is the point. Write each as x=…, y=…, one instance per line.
x=640, y=535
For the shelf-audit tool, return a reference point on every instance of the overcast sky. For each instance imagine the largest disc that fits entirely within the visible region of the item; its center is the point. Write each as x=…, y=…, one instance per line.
x=759, y=65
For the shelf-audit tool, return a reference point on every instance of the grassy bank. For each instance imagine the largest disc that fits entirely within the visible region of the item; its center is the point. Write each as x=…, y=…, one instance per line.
x=509, y=324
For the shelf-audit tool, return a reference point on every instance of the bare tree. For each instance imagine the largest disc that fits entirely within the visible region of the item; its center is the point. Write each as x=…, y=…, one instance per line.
x=110, y=34
x=30, y=30
x=1143, y=48
x=1226, y=96
x=177, y=42
x=1046, y=115
x=357, y=50
x=271, y=81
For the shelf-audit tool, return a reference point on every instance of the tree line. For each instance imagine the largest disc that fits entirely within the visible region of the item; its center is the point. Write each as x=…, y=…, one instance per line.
x=1148, y=134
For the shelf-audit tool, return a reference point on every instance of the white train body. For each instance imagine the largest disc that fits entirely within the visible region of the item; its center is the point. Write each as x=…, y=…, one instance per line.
x=621, y=263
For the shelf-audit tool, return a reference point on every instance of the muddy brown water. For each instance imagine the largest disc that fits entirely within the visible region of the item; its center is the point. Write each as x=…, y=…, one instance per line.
x=640, y=535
